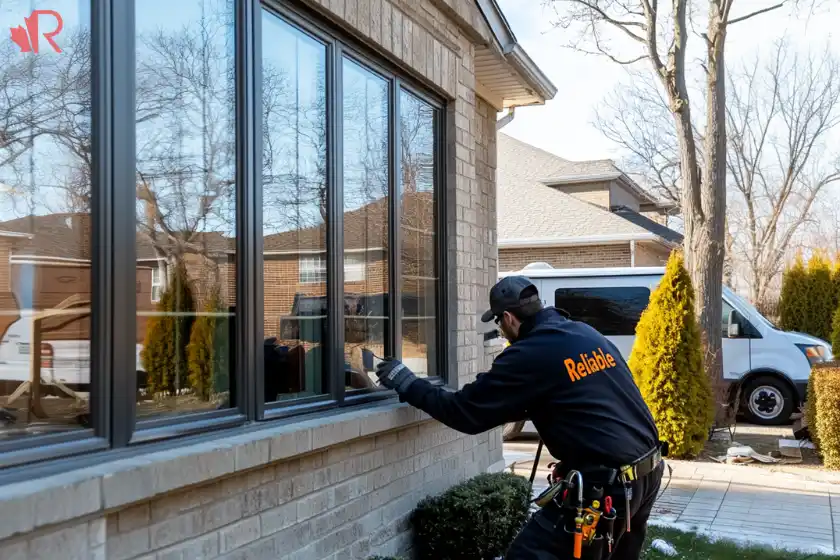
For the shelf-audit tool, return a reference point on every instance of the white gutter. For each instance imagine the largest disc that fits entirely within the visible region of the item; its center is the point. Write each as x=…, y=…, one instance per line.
x=633, y=253
x=611, y=239
x=16, y=234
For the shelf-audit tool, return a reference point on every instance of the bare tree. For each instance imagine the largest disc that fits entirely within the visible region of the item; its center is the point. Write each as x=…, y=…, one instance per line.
x=659, y=36
x=780, y=117
x=185, y=159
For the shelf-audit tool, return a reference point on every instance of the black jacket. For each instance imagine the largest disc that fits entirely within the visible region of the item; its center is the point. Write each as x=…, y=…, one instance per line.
x=569, y=380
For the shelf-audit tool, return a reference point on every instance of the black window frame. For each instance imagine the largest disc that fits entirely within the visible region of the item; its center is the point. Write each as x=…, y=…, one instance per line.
x=594, y=289
x=115, y=427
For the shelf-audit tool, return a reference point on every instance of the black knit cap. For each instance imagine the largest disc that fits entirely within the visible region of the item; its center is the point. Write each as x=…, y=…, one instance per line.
x=510, y=293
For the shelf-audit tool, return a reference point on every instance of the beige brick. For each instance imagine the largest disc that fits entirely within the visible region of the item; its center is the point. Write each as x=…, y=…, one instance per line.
x=278, y=519
x=205, y=546
x=134, y=517
x=14, y=550
x=128, y=545
x=239, y=534
x=70, y=543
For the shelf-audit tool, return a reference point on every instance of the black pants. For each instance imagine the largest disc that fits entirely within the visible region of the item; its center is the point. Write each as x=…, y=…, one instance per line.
x=544, y=538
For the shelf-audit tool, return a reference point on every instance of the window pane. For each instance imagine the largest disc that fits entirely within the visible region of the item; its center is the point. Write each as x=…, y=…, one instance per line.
x=186, y=209
x=611, y=311
x=418, y=290
x=45, y=222
x=366, y=201
x=294, y=211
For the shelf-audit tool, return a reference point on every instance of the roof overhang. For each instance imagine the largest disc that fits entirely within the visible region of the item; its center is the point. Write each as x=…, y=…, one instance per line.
x=505, y=75
x=611, y=239
x=646, y=200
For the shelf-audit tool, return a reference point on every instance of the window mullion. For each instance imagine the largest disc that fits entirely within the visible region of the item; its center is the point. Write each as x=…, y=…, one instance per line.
x=394, y=240
x=247, y=378
x=335, y=225
x=124, y=257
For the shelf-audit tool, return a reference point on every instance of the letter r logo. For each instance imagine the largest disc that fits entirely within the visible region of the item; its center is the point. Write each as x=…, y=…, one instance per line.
x=28, y=39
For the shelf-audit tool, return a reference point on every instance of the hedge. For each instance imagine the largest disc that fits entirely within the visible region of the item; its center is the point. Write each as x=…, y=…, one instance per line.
x=475, y=520
x=793, y=298
x=667, y=363
x=209, y=349
x=810, y=297
x=164, y=354
x=824, y=391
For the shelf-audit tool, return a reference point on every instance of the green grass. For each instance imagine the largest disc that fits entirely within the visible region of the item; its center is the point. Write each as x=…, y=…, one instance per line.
x=691, y=546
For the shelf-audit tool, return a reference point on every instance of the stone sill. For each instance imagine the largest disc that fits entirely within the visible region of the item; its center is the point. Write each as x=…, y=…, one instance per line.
x=26, y=506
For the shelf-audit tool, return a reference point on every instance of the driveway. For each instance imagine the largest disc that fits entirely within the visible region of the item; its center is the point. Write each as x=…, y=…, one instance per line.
x=794, y=508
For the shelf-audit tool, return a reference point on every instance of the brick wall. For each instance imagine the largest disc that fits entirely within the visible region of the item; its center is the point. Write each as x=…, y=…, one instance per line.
x=348, y=501
x=584, y=256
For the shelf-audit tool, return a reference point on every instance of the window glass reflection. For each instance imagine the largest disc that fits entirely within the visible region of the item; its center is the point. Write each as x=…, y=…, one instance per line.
x=294, y=186
x=186, y=213
x=45, y=222
x=418, y=290
x=366, y=203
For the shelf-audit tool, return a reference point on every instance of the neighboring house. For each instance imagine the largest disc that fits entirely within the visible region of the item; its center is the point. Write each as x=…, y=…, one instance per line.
x=575, y=214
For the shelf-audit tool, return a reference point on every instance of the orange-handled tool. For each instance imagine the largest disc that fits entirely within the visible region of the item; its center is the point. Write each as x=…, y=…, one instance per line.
x=578, y=537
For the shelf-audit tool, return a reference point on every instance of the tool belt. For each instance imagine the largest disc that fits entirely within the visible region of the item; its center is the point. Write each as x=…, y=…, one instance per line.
x=583, y=506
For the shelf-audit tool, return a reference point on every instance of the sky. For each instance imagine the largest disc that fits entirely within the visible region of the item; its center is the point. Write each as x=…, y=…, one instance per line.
x=564, y=125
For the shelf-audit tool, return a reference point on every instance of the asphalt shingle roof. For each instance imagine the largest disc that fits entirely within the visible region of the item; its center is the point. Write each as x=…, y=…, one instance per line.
x=528, y=209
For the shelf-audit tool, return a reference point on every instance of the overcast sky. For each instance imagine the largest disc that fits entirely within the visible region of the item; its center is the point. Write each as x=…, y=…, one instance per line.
x=564, y=124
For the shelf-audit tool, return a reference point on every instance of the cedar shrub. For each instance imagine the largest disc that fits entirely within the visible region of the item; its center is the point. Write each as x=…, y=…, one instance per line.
x=209, y=349
x=820, y=301
x=667, y=363
x=164, y=354
x=475, y=520
x=826, y=384
x=811, y=410
x=794, y=297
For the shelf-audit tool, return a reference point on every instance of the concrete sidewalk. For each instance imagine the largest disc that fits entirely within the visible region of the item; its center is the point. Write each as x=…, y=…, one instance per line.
x=798, y=509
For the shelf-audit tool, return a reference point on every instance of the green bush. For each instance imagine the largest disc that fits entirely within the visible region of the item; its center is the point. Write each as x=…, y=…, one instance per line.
x=835, y=332
x=794, y=296
x=826, y=390
x=810, y=296
x=475, y=520
x=821, y=300
x=811, y=410
x=164, y=350
x=667, y=363
x=209, y=349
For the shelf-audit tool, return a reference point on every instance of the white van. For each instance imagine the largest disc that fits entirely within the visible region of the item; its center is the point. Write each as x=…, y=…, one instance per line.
x=770, y=365
x=64, y=361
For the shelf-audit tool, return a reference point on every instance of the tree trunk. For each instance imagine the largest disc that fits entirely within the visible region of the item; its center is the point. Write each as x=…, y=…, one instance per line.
x=707, y=241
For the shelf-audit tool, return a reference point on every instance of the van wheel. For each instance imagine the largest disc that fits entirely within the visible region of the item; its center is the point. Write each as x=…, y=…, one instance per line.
x=512, y=430
x=768, y=401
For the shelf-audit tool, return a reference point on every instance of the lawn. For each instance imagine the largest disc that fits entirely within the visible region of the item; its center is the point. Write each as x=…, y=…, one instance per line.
x=694, y=547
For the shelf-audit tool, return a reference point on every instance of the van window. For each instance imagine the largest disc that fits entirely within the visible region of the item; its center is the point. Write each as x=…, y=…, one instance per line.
x=612, y=311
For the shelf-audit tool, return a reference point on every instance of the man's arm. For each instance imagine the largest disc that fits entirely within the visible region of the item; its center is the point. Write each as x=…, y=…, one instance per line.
x=496, y=397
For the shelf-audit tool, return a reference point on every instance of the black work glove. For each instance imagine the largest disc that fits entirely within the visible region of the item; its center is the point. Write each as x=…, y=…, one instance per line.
x=394, y=375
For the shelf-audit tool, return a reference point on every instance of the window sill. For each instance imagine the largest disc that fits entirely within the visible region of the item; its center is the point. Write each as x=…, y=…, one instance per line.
x=29, y=505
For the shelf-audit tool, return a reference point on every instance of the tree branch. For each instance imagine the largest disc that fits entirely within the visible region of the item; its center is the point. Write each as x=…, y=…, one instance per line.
x=756, y=13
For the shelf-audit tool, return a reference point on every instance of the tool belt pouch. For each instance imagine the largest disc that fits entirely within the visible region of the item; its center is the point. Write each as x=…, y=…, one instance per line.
x=596, y=549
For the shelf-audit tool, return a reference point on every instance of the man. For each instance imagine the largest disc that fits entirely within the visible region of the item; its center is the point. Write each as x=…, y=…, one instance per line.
x=573, y=384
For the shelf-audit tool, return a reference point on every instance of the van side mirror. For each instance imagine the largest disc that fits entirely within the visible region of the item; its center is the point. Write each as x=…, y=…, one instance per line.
x=734, y=330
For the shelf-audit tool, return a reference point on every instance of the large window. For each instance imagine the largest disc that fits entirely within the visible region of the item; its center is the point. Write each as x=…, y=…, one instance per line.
x=230, y=215
x=186, y=204
x=46, y=248
x=611, y=311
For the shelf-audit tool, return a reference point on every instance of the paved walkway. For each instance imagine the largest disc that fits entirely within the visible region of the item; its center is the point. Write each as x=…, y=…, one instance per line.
x=797, y=510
